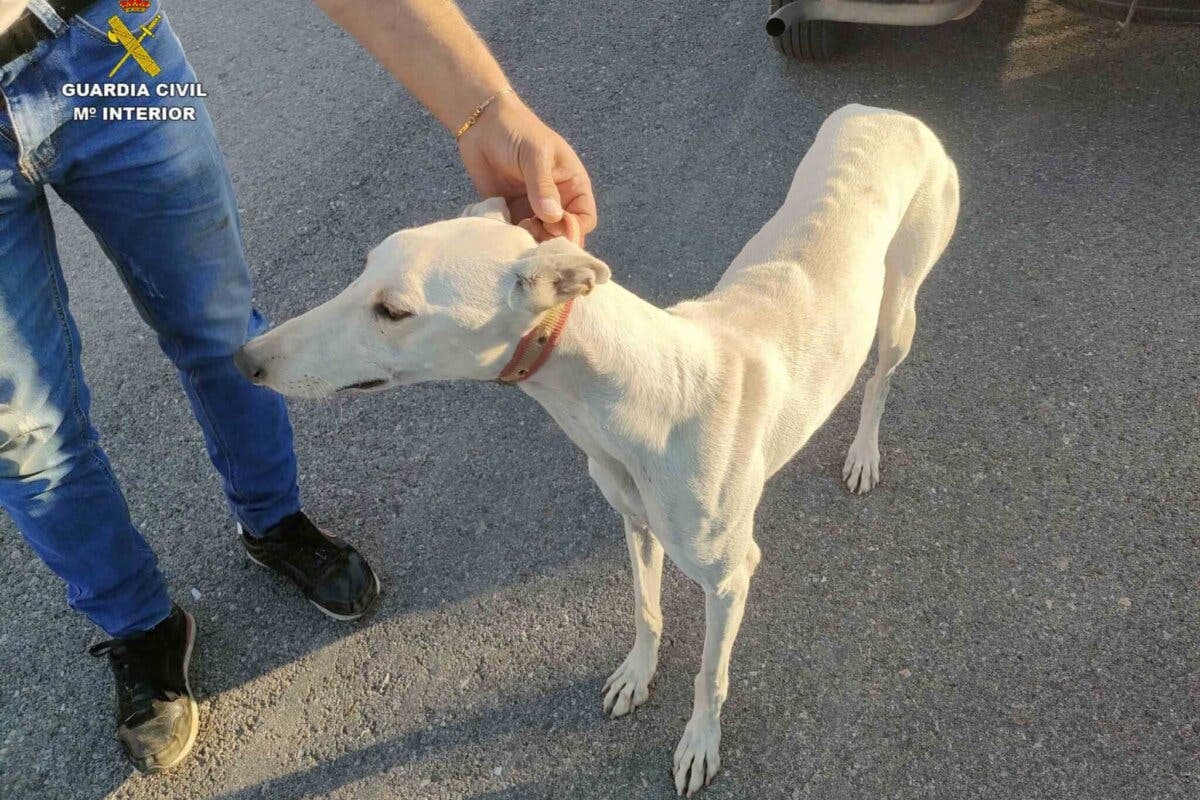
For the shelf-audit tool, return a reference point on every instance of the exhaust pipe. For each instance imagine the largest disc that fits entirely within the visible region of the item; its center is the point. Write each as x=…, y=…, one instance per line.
x=933, y=12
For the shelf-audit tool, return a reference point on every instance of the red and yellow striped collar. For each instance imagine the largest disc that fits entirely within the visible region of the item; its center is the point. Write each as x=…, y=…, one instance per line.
x=536, y=345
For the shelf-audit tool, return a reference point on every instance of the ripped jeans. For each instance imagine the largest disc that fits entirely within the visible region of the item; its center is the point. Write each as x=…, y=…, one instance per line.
x=159, y=200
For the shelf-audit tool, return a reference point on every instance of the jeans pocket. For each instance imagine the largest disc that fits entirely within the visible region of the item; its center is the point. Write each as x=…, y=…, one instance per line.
x=146, y=51
x=133, y=14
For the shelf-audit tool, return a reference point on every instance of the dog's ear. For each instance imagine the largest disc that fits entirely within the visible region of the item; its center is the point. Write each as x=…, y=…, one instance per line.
x=492, y=208
x=554, y=272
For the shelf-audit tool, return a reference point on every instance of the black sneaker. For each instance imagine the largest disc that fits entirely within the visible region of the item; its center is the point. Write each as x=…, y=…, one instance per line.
x=157, y=717
x=331, y=573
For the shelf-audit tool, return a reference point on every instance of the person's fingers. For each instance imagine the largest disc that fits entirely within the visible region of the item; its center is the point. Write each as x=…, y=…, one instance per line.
x=538, y=170
x=585, y=219
x=546, y=180
x=519, y=208
x=575, y=232
x=535, y=228
x=568, y=227
x=576, y=192
x=575, y=188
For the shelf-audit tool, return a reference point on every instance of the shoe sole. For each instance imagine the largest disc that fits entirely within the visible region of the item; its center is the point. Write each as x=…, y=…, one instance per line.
x=318, y=606
x=187, y=682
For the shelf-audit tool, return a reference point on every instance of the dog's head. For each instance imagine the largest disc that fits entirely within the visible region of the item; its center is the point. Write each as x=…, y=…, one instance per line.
x=444, y=301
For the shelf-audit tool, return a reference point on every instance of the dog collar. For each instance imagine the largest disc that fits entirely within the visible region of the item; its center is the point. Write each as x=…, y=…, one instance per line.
x=536, y=345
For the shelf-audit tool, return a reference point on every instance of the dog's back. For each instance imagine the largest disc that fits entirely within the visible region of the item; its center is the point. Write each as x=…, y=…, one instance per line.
x=871, y=207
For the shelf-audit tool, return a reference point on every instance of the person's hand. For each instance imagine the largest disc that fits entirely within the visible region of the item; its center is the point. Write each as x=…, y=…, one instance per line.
x=509, y=152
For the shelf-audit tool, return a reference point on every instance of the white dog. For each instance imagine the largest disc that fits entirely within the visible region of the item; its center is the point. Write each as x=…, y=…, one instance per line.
x=684, y=413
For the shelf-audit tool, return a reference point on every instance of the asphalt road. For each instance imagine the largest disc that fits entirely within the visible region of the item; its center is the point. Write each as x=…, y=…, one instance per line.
x=1011, y=614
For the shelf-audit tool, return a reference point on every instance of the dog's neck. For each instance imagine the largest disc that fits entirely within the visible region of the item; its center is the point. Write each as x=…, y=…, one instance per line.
x=620, y=357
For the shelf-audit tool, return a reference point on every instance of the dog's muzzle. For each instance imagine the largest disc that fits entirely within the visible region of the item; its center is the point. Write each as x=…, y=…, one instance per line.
x=252, y=368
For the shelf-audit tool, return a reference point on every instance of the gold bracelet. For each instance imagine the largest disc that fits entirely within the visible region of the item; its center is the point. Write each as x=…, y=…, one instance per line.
x=471, y=120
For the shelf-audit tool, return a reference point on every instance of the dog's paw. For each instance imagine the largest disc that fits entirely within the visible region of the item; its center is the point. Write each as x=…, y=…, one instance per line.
x=629, y=685
x=861, y=471
x=698, y=756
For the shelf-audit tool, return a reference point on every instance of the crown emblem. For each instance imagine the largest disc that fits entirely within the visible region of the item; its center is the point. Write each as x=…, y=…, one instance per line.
x=133, y=6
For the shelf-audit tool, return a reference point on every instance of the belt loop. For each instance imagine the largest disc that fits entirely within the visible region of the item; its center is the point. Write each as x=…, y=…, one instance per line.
x=49, y=17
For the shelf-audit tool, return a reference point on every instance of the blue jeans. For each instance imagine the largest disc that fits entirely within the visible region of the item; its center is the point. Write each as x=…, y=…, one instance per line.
x=159, y=200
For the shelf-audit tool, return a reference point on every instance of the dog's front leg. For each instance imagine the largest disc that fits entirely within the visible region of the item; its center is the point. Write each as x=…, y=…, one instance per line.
x=698, y=756
x=629, y=686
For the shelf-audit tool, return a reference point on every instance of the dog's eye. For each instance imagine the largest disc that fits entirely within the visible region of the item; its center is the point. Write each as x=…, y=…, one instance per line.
x=385, y=311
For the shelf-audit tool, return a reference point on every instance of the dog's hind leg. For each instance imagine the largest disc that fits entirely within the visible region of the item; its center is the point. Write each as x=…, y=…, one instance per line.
x=918, y=242
x=861, y=470
x=629, y=685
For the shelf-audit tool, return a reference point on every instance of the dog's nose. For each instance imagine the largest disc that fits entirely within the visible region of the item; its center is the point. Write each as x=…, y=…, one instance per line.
x=255, y=371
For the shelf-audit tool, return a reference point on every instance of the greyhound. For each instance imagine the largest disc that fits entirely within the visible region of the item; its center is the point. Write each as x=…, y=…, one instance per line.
x=684, y=412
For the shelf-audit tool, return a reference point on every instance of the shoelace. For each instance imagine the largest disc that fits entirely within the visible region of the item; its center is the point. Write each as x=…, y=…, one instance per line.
x=325, y=556
x=323, y=552
x=137, y=693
